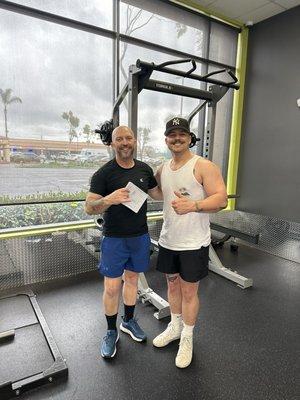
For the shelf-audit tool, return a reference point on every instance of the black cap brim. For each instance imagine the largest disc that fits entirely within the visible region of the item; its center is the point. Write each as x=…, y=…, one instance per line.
x=172, y=128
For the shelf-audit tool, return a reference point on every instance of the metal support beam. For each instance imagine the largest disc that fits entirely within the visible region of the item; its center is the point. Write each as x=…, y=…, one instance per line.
x=116, y=50
x=208, y=141
x=216, y=266
x=133, y=86
x=171, y=88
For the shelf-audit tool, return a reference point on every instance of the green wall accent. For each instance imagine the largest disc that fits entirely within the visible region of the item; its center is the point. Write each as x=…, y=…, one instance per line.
x=237, y=117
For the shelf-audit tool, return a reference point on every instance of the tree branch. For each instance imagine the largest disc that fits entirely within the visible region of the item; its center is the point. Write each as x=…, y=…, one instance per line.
x=140, y=26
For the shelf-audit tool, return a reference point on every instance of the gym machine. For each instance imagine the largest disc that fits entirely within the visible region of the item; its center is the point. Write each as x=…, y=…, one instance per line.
x=139, y=79
x=23, y=323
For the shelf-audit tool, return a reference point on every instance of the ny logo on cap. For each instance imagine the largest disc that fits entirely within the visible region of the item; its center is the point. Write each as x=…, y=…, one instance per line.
x=175, y=121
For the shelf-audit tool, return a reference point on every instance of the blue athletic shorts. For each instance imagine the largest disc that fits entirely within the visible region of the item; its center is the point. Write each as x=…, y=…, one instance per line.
x=118, y=254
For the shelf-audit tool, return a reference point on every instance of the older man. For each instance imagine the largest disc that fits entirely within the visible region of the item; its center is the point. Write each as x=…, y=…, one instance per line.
x=125, y=248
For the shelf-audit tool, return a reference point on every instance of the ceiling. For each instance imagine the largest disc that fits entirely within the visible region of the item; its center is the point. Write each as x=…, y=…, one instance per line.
x=248, y=10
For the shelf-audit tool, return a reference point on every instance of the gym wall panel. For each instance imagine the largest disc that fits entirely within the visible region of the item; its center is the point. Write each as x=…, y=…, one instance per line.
x=269, y=172
x=53, y=254
x=39, y=258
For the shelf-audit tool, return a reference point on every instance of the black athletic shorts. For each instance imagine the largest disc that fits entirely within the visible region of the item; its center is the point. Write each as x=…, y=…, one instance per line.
x=192, y=265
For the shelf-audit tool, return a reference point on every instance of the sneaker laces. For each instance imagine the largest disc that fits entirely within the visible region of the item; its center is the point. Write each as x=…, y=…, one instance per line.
x=109, y=336
x=169, y=330
x=186, y=343
x=134, y=323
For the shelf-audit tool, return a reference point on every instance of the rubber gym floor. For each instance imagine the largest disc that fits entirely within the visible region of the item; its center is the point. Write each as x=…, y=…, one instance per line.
x=246, y=342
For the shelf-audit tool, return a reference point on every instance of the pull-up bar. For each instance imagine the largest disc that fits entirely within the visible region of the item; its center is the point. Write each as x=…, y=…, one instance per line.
x=149, y=67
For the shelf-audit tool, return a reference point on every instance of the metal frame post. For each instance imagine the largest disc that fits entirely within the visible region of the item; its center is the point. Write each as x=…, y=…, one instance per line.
x=208, y=140
x=133, y=86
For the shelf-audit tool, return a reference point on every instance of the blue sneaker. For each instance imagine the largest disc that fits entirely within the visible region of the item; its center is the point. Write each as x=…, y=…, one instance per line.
x=109, y=344
x=133, y=329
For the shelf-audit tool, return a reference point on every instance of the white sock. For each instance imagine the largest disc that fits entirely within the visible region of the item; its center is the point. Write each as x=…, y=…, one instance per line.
x=187, y=330
x=176, y=320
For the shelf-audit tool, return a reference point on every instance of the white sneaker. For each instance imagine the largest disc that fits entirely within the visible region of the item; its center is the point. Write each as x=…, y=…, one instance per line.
x=168, y=335
x=185, y=352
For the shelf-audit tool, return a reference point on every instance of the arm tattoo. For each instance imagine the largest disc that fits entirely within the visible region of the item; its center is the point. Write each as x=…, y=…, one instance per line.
x=95, y=204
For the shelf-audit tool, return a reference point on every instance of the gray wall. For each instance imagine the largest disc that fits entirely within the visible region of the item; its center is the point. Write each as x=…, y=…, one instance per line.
x=269, y=172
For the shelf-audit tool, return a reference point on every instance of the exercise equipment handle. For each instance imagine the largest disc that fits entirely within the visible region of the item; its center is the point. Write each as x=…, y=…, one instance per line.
x=219, y=71
x=164, y=67
x=160, y=67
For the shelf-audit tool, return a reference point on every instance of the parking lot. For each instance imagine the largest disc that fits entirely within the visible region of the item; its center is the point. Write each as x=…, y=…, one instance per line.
x=16, y=180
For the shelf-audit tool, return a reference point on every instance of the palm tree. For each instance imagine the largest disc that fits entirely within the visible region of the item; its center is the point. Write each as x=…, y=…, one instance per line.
x=143, y=138
x=88, y=133
x=73, y=122
x=7, y=99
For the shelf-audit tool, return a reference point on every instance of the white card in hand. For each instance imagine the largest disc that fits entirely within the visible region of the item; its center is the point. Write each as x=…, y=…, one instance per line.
x=137, y=197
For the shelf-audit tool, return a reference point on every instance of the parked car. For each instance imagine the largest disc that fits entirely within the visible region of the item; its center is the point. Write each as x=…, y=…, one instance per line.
x=71, y=157
x=96, y=158
x=14, y=156
x=63, y=156
x=28, y=157
x=90, y=158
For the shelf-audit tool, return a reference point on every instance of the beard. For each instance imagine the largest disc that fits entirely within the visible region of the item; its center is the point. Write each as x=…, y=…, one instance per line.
x=125, y=153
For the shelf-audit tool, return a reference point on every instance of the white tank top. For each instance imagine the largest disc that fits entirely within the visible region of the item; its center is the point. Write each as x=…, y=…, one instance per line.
x=189, y=231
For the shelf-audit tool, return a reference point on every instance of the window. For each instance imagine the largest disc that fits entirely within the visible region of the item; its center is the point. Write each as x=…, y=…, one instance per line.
x=63, y=80
x=57, y=85
x=94, y=12
x=223, y=44
x=163, y=24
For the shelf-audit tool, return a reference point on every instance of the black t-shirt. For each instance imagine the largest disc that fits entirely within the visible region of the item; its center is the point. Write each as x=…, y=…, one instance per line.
x=119, y=220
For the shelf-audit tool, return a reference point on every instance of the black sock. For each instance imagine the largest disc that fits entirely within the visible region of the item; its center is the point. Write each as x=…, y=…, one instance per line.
x=128, y=312
x=111, y=322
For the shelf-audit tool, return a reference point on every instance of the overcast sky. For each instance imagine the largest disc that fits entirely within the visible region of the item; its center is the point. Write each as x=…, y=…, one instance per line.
x=54, y=68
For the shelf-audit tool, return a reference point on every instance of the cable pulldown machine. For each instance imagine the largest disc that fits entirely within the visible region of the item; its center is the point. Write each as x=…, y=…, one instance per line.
x=139, y=79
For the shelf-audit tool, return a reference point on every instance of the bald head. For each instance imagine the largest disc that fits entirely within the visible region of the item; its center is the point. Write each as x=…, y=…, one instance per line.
x=123, y=143
x=121, y=131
